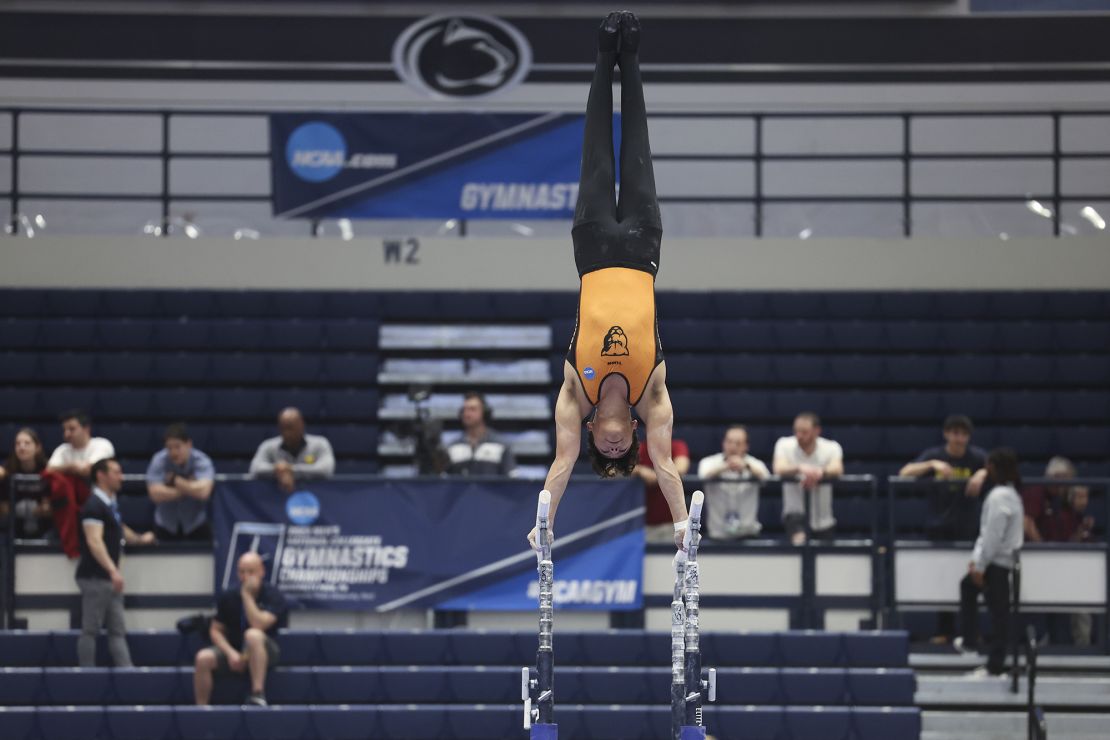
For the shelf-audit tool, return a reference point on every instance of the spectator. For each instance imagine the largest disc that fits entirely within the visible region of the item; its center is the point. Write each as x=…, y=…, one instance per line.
x=953, y=508
x=659, y=525
x=242, y=632
x=74, y=459
x=32, y=507
x=98, y=575
x=732, y=488
x=179, y=481
x=1059, y=514
x=992, y=560
x=479, y=450
x=808, y=458
x=293, y=455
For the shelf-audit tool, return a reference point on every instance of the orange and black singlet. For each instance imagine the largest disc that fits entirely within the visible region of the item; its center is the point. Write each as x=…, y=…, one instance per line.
x=616, y=332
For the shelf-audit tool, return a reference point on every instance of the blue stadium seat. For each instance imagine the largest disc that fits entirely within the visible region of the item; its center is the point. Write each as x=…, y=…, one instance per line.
x=238, y=440
x=749, y=722
x=964, y=370
x=524, y=306
x=562, y=329
x=292, y=685
x=1076, y=305
x=857, y=440
x=66, y=367
x=1026, y=336
x=402, y=685
x=299, y=647
x=20, y=333
x=613, y=647
x=481, y=723
x=1089, y=441
x=159, y=648
x=245, y=303
x=607, y=722
x=351, y=335
x=466, y=306
x=852, y=405
x=854, y=370
x=72, y=723
x=186, y=367
x=22, y=366
x=181, y=403
x=796, y=304
x=74, y=303
x=785, y=405
x=131, y=440
x=1022, y=371
x=137, y=511
x=124, y=403
x=1073, y=370
x=1027, y=441
x=887, y=649
x=854, y=336
x=798, y=369
x=401, y=723
x=352, y=369
x=687, y=335
x=178, y=304
x=807, y=686
x=349, y=647
x=911, y=406
x=68, y=334
x=745, y=335
x=969, y=336
x=1081, y=336
x=309, y=400
x=181, y=334
x=20, y=685
x=416, y=647
x=295, y=369
x=305, y=304
x=800, y=335
x=962, y=305
x=906, y=442
x=55, y=400
x=19, y=404
x=131, y=302
x=750, y=685
x=702, y=440
x=25, y=302
x=810, y=649
x=818, y=723
x=741, y=648
x=912, y=370
x=124, y=367
x=346, y=722
x=914, y=336
x=238, y=368
x=695, y=404
x=888, y=722
x=487, y=648
x=146, y=685
x=1030, y=406
x=673, y=305
x=739, y=370
x=19, y=723
x=351, y=304
x=695, y=370
x=889, y=688
x=350, y=404
x=854, y=513
x=979, y=405
x=294, y=334
x=277, y=722
x=741, y=406
x=124, y=334
x=853, y=305
x=908, y=305
x=210, y=723
x=351, y=439
x=64, y=686
x=241, y=404
x=1072, y=406
x=140, y=723
x=485, y=686
x=355, y=685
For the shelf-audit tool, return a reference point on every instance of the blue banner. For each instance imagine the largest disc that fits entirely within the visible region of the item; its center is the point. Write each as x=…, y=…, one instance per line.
x=388, y=544
x=426, y=165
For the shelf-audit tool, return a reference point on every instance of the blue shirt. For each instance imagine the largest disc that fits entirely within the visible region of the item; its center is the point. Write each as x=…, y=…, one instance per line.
x=186, y=513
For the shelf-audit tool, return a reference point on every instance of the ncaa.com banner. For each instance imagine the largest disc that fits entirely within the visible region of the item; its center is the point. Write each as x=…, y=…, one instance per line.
x=386, y=544
x=426, y=165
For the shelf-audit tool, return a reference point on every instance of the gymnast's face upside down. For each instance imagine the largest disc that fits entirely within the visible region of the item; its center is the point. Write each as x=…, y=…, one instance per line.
x=612, y=443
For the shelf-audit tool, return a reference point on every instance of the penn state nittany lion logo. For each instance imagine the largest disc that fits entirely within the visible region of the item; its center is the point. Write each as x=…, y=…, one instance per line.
x=615, y=344
x=461, y=56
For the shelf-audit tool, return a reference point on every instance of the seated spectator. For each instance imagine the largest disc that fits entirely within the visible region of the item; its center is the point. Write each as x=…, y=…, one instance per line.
x=808, y=458
x=74, y=459
x=992, y=560
x=479, y=450
x=98, y=572
x=33, y=516
x=731, y=486
x=242, y=633
x=1059, y=514
x=293, y=455
x=658, y=523
x=179, y=481
x=953, y=508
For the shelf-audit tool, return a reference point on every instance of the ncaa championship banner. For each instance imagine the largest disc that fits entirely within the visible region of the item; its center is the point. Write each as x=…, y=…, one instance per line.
x=389, y=544
x=426, y=165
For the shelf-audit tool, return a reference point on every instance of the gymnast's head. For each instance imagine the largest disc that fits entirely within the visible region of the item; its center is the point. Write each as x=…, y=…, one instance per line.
x=612, y=443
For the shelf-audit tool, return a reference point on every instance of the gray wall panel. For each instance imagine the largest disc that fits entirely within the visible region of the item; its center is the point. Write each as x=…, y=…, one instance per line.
x=966, y=220
x=832, y=220
x=1085, y=133
x=836, y=178
x=94, y=217
x=5, y=130
x=1085, y=177
x=989, y=134
x=704, y=136
x=832, y=135
x=220, y=176
x=220, y=134
x=705, y=178
x=5, y=173
x=116, y=133
x=96, y=175
x=982, y=177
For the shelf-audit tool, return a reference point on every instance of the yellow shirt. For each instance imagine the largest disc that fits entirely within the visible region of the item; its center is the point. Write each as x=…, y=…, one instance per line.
x=616, y=332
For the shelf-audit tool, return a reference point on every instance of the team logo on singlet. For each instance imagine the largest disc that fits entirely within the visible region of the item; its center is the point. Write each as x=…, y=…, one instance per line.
x=615, y=344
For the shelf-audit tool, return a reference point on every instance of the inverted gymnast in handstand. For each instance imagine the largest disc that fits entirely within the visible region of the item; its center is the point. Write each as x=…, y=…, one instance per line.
x=615, y=360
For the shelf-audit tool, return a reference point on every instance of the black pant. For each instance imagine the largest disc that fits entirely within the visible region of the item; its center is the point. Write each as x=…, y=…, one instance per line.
x=203, y=533
x=996, y=592
x=608, y=233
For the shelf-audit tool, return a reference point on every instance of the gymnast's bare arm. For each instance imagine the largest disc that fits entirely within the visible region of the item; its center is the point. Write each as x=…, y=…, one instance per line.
x=570, y=408
x=658, y=415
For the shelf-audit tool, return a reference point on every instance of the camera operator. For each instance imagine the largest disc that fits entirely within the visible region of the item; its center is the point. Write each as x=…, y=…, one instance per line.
x=479, y=450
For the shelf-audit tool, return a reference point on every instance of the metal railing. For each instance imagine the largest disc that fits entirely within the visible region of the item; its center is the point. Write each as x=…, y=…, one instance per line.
x=754, y=192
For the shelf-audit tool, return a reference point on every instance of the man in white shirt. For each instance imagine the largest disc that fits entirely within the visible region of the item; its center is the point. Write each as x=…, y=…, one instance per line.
x=731, y=483
x=80, y=450
x=807, y=458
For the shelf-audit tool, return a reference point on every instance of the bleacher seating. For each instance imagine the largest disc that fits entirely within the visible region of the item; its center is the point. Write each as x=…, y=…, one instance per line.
x=417, y=685
x=883, y=368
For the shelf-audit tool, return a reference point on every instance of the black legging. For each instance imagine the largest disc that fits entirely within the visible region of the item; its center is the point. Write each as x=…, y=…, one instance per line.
x=608, y=232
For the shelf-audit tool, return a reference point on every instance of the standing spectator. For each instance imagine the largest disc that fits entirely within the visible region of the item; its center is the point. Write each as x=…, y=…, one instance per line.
x=242, y=633
x=74, y=459
x=992, y=560
x=1059, y=514
x=179, y=481
x=98, y=575
x=479, y=450
x=32, y=508
x=808, y=458
x=731, y=479
x=953, y=507
x=659, y=525
x=293, y=455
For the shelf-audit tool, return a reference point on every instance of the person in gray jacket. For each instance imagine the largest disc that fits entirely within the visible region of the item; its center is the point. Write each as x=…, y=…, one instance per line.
x=293, y=455
x=1001, y=535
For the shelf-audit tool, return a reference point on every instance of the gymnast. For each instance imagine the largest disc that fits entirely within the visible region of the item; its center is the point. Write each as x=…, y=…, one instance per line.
x=615, y=361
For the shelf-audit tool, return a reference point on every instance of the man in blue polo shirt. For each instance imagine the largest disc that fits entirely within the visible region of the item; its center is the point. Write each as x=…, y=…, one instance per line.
x=242, y=633
x=102, y=536
x=179, y=481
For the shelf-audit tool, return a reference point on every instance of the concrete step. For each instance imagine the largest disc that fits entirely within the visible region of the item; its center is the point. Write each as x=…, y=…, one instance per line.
x=1010, y=725
x=952, y=662
x=937, y=691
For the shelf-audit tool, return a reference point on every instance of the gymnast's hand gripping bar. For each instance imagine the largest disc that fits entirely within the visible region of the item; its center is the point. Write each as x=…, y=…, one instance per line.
x=539, y=693
x=688, y=689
